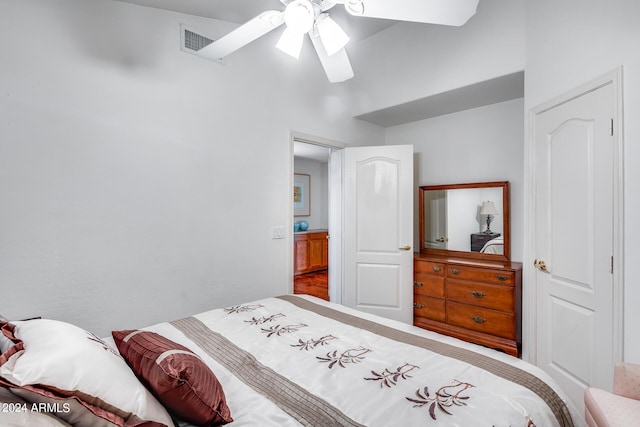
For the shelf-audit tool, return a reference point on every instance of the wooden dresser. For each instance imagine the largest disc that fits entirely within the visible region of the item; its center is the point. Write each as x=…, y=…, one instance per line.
x=478, y=301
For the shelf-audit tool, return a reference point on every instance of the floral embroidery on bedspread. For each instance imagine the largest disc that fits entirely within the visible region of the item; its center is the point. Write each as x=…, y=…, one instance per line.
x=352, y=355
x=446, y=397
x=242, y=308
x=280, y=330
x=390, y=378
x=265, y=319
x=312, y=343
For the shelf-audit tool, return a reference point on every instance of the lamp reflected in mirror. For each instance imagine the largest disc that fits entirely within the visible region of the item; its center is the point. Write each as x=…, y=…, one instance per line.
x=489, y=209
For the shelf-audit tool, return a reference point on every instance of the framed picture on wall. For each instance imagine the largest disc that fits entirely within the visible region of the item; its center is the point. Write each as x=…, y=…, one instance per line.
x=301, y=194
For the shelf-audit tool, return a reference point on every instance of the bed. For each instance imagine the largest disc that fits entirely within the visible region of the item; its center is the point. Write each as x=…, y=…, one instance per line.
x=494, y=246
x=283, y=361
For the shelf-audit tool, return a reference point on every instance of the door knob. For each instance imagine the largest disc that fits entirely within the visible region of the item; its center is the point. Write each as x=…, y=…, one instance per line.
x=540, y=265
x=405, y=248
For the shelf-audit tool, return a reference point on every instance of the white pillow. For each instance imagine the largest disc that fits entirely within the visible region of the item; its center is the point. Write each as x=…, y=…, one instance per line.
x=60, y=357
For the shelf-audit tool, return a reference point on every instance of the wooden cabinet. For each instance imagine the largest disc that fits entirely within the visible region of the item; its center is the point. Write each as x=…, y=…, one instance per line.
x=475, y=300
x=311, y=252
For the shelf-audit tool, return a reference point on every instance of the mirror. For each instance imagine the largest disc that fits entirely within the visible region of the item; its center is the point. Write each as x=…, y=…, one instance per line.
x=467, y=220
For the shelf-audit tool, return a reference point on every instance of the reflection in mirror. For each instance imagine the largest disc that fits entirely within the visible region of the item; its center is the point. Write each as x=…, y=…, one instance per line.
x=469, y=218
x=435, y=214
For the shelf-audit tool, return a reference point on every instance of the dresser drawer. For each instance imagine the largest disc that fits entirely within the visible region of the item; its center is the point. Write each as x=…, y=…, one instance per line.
x=428, y=285
x=428, y=267
x=481, y=319
x=498, y=277
x=479, y=294
x=431, y=308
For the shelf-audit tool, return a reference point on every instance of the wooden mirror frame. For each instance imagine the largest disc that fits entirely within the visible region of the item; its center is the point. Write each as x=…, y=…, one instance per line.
x=506, y=256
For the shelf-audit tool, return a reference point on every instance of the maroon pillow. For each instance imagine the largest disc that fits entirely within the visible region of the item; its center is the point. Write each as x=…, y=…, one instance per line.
x=180, y=379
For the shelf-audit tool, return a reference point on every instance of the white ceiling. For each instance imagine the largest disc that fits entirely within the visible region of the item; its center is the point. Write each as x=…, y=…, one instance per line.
x=482, y=93
x=240, y=11
x=311, y=151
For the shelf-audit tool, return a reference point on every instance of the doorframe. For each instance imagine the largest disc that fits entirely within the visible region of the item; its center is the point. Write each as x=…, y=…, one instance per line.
x=530, y=332
x=334, y=215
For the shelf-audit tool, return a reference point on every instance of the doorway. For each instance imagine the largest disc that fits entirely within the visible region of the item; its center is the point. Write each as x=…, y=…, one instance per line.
x=315, y=264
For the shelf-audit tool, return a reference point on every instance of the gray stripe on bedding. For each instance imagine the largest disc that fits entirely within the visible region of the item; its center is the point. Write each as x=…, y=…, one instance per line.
x=306, y=408
x=504, y=370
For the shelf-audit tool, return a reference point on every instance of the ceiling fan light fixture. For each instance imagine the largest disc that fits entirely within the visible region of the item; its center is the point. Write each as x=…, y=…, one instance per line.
x=290, y=42
x=333, y=37
x=299, y=16
x=354, y=7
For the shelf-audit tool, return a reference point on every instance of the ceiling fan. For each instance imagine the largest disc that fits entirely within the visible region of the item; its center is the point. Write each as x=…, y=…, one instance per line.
x=329, y=40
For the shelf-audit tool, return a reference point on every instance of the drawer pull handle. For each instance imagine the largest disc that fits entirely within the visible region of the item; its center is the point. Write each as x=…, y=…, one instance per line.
x=418, y=284
x=455, y=271
x=418, y=305
x=478, y=319
x=436, y=269
x=501, y=277
x=478, y=294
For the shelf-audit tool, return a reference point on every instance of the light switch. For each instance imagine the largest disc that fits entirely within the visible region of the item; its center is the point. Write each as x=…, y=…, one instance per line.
x=278, y=232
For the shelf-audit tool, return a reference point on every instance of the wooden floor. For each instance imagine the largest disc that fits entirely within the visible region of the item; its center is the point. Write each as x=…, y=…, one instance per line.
x=315, y=284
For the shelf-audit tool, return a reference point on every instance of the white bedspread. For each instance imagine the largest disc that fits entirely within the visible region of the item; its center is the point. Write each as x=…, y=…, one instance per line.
x=298, y=360
x=494, y=246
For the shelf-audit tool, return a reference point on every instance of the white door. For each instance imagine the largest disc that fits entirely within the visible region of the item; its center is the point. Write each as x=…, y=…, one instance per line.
x=378, y=230
x=574, y=239
x=435, y=204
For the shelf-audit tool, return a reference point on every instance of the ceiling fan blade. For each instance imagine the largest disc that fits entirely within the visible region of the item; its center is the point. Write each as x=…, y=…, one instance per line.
x=243, y=35
x=337, y=66
x=443, y=12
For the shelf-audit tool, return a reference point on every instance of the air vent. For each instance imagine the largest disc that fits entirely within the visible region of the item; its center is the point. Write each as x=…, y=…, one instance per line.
x=195, y=42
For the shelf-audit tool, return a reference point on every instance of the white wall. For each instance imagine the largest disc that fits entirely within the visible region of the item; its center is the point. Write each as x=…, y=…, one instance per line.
x=601, y=37
x=140, y=183
x=481, y=144
x=319, y=192
x=409, y=61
